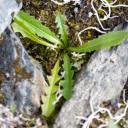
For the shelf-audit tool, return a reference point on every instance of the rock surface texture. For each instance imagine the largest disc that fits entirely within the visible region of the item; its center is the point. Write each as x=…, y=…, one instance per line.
x=11, y=120
x=21, y=77
x=7, y=9
x=102, y=79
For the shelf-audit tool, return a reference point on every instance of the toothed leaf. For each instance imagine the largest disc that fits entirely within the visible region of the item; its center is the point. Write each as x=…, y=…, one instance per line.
x=35, y=27
x=67, y=83
x=104, y=41
x=48, y=100
x=63, y=31
x=26, y=33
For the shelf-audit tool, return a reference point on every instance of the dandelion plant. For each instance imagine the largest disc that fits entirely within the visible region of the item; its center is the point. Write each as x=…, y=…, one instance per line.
x=33, y=29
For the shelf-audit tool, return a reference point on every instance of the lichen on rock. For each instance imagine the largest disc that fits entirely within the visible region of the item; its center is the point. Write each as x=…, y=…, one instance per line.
x=23, y=79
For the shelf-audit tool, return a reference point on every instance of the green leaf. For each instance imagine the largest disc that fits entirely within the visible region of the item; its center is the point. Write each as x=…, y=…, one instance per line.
x=104, y=41
x=112, y=124
x=26, y=33
x=63, y=31
x=48, y=100
x=35, y=27
x=67, y=83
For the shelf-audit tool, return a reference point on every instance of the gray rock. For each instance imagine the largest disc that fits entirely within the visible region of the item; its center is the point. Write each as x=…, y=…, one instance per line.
x=10, y=120
x=102, y=79
x=7, y=9
x=21, y=77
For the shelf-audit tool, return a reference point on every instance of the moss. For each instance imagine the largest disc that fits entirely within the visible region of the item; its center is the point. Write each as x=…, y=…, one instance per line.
x=2, y=97
x=77, y=19
x=13, y=108
x=2, y=77
x=20, y=71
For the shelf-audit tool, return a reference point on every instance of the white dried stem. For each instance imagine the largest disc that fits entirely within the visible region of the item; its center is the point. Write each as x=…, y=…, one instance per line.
x=119, y=5
x=113, y=2
x=95, y=115
x=97, y=16
x=65, y=2
x=58, y=3
x=58, y=96
x=94, y=28
x=103, y=126
x=105, y=3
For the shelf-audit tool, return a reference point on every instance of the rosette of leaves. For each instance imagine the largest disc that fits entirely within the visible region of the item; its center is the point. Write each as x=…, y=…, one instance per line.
x=33, y=29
